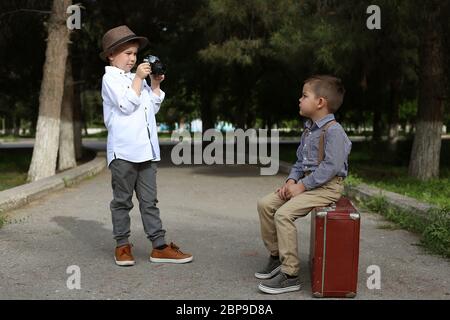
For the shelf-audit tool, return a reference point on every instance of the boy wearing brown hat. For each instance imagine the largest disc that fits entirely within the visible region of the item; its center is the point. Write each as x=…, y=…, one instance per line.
x=129, y=108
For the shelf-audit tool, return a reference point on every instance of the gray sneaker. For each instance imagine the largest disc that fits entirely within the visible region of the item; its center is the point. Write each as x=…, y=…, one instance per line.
x=272, y=268
x=280, y=284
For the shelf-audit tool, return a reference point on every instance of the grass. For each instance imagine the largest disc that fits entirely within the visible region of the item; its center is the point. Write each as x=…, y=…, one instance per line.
x=12, y=179
x=436, y=235
x=14, y=165
x=8, y=138
x=434, y=231
x=401, y=218
x=4, y=220
x=436, y=191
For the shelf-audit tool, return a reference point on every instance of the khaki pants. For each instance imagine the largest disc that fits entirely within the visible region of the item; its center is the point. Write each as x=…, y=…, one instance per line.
x=277, y=217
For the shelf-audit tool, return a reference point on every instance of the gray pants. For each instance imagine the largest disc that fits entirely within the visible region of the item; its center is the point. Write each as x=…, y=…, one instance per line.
x=141, y=177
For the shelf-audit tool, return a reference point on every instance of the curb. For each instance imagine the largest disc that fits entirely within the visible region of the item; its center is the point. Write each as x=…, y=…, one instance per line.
x=366, y=192
x=21, y=195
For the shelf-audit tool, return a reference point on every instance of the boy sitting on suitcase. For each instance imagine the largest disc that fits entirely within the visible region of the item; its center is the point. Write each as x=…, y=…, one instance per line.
x=315, y=180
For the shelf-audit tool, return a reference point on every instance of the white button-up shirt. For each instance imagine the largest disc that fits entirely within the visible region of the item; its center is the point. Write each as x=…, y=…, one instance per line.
x=130, y=119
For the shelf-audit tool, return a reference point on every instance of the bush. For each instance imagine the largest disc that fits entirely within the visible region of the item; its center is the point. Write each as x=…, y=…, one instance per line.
x=436, y=235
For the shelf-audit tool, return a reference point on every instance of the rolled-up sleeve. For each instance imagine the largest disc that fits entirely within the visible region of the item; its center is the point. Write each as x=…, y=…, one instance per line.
x=123, y=97
x=157, y=100
x=335, y=157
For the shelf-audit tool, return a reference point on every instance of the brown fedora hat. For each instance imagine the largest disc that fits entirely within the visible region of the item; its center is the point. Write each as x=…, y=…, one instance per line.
x=117, y=36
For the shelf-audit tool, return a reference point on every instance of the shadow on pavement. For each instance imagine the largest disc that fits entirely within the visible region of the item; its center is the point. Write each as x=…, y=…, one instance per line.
x=90, y=232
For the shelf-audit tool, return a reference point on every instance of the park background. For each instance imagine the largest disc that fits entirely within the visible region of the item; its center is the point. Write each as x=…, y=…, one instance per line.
x=240, y=64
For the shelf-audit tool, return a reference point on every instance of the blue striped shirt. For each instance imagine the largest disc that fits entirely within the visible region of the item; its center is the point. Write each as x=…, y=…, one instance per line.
x=335, y=162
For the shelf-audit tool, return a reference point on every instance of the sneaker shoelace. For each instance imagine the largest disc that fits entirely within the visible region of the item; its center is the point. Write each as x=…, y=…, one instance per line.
x=175, y=247
x=126, y=251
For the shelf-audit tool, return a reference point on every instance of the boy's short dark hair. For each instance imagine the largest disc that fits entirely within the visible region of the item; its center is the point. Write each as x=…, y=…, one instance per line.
x=328, y=87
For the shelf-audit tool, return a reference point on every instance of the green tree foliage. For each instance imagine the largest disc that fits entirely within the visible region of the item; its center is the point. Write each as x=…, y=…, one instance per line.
x=22, y=52
x=238, y=61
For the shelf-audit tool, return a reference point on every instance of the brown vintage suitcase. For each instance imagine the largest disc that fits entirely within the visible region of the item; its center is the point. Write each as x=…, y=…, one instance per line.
x=334, y=250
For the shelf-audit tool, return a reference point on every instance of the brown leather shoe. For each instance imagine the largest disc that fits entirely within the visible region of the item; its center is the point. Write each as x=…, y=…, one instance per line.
x=123, y=256
x=171, y=254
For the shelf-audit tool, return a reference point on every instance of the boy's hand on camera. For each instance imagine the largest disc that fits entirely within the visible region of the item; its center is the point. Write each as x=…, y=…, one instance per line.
x=282, y=192
x=143, y=70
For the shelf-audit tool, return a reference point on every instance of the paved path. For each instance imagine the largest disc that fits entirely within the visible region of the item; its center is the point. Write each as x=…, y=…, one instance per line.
x=207, y=210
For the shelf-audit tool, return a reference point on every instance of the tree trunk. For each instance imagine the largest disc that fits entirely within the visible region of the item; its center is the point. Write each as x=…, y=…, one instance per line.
x=78, y=73
x=240, y=117
x=424, y=162
x=66, y=159
x=393, y=134
x=9, y=124
x=16, y=129
x=207, y=88
x=376, y=124
x=206, y=112
x=43, y=161
x=269, y=123
x=250, y=122
x=77, y=123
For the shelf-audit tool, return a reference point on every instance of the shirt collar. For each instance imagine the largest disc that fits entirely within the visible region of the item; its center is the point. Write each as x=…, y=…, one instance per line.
x=115, y=70
x=319, y=123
